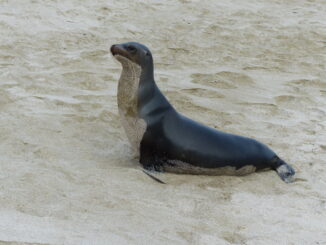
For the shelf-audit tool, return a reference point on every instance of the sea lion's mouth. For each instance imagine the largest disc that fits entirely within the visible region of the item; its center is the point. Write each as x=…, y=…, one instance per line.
x=118, y=49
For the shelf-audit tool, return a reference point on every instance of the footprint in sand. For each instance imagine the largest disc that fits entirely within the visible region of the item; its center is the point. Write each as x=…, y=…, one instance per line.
x=222, y=80
x=201, y=92
x=265, y=108
x=85, y=80
x=182, y=102
x=307, y=83
x=292, y=101
x=5, y=98
x=94, y=55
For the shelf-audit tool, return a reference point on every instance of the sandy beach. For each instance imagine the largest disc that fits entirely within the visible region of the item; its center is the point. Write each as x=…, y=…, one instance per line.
x=67, y=172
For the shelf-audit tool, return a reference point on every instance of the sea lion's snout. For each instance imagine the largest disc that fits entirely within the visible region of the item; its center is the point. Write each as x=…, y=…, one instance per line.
x=112, y=49
x=118, y=49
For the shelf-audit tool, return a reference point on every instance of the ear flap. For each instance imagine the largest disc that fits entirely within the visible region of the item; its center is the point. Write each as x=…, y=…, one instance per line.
x=146, y=53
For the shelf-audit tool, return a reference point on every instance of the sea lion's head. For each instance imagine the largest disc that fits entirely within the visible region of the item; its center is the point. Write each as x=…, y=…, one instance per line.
x=135, y=52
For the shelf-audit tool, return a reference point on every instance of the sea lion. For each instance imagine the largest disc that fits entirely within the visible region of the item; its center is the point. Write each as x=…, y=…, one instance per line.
x=169, y=141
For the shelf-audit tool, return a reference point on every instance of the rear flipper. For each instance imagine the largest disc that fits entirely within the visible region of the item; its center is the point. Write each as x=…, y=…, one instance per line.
x=284, y=170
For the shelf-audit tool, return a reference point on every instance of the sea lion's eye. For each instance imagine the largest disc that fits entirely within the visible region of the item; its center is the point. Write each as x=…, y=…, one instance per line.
x=131, y=49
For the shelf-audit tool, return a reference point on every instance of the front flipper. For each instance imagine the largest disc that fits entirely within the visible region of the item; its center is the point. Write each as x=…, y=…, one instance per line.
x=149, y=159
x=153, y=177
x=150, y=162
x=153, y=167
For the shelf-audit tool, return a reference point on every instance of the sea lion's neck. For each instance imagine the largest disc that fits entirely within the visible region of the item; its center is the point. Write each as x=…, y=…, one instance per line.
x=128, y=85
x=151, y=102
x=147, y=74
x=138, y=94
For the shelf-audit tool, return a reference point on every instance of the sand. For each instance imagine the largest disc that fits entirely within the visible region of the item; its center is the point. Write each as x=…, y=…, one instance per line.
x=67, y=172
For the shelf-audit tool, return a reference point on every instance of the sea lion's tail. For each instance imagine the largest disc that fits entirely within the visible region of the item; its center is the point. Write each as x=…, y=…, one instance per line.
x=284, y=170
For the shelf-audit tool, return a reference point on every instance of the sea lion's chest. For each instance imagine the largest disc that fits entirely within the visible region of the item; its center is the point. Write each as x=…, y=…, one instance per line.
x=133, y=125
